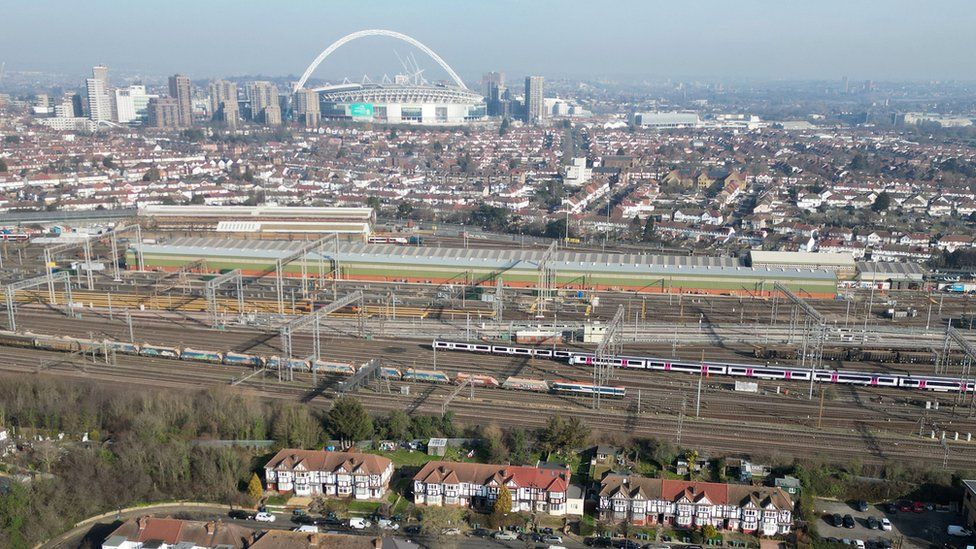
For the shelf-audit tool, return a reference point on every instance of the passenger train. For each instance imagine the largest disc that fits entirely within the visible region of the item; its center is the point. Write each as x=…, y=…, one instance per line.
x=785, y=373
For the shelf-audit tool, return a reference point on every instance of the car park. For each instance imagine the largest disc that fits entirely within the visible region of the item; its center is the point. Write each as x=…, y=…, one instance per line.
x=264, y=516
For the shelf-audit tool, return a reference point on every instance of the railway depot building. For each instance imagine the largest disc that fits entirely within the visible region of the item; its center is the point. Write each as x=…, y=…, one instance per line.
x=517, y=268
x=339, y=474
x=476, y=485
x=646, y=501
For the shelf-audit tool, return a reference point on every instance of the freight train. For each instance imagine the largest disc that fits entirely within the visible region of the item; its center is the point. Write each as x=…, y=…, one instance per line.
x=70, y=344
x=858, y=354
x=786, y=373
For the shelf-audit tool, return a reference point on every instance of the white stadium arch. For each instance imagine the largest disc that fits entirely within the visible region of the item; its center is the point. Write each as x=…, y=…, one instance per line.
x=377, y=32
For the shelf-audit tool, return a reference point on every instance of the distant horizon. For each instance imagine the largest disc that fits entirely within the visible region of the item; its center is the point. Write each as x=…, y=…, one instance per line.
x=749, y=40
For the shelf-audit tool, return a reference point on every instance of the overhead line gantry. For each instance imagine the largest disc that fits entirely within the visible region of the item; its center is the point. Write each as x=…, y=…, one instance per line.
x=210, y=290
x=547, y=279
x=307, y=248
x=10, y=289
x=814, y=324
x=610, y=346
x=313, y=321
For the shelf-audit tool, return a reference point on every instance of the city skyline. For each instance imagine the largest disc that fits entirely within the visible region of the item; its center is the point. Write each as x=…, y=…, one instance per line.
x=753, y=40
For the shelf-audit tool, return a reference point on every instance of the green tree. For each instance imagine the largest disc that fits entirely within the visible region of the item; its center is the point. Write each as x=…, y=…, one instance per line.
x=397, y=425
x=404, y=209
x=254, y=489
x=882, y=202
x=373, y=202
x=348, y=420
x=197, y=199
x=648, y=229
x=152, y=174
x=636, y=229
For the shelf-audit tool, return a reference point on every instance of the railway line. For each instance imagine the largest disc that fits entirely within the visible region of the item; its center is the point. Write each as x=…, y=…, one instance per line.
x=889, y=410
x=735, y=436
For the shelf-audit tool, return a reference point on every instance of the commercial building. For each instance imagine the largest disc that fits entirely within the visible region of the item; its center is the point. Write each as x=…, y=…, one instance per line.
x=535, y=109
x=179, y=89
x=99, y=102
x=683, y=504
x=665, y=120
x=257, y=219
x=476, y=485
x=341, y=474
x=838, y=262
x=131, y=104
x=163, y=112
x=518, y=268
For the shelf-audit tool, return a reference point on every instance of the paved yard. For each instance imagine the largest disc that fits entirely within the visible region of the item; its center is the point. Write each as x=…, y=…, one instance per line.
x=918, y=529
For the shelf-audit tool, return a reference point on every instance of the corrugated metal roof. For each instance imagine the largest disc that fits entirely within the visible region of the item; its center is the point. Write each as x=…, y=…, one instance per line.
x=495, y=259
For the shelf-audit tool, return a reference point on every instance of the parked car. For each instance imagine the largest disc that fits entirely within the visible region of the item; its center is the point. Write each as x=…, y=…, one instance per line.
x=885, y=524
x=873, y=523
x=552, y=539
x=861, y=505
x=959, y=531
x=597, y=541
x=891, y=508
x=264, y=516
x=626, y=544
x=837, y=520
x=302, y=519
x=413, y=529
x=307, y=528
x=859, y=544
x=359, y=523
x=849, y=521
x=918, y=507
x=240, y=514
x=505, y=535
x=450, y=532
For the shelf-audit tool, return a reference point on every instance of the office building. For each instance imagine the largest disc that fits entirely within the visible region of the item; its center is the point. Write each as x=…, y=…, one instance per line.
x=223, y=102
x=492, y=79
x=164, y=112
x=307, y=107
x=99, y=103
x=264, y=102
x=179, y=89
x=534, y=105
x=131, y=104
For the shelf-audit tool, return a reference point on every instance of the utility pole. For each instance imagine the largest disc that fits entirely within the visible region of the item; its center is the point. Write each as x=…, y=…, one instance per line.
x=701, y=376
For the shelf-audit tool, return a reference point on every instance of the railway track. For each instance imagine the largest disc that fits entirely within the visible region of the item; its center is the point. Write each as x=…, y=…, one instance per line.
x=736, y=437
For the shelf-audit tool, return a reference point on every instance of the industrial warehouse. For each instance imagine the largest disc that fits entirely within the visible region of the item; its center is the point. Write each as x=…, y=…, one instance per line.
x=474, y=267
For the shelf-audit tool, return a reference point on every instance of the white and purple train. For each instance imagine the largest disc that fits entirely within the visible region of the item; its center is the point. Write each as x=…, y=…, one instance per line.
x=786, y=373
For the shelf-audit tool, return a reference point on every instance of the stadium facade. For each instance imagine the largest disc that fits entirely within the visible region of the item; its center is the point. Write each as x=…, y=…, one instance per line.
x=404, y=103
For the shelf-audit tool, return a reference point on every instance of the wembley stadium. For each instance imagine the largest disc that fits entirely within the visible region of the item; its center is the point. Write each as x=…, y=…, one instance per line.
x=408, y=99
x=401, y=104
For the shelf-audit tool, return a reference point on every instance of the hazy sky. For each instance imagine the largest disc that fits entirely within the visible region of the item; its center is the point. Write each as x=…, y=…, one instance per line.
x=755, y=39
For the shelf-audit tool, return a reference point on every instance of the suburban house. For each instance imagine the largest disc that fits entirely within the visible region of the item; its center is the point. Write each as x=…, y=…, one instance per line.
x=342, y=474
x=639, y=500
x=162, y=533
x=476, y=485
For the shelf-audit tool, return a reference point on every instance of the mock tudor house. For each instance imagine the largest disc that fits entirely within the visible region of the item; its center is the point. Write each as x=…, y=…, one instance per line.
x=476, y=485
x=643, y=501
x=341, y=474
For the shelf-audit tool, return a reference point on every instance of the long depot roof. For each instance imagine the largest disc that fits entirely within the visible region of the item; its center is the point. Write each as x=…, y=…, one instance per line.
x=483, y=258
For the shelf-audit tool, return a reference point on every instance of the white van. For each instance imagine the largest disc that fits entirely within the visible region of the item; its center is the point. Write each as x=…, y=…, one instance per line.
x=357, y=523
x=307, y=528
x=956, y=530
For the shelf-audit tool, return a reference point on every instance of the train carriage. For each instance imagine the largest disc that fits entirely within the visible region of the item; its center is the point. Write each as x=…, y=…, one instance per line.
x=478, y=380
x=523, y=384
x=202, y=356
x=159, y=351
x=52, y=343
x=276, y=363
x=587, y=389
x=240, y=359
x=430, y=376
x=123, y=347
x=13, y=339
x=329, y=367
x=390, y=373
